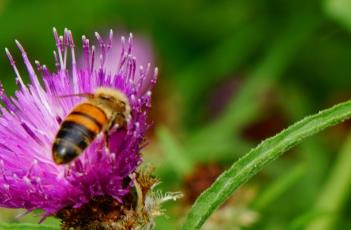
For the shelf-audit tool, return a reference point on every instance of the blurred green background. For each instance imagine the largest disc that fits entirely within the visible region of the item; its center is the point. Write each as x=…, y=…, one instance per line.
x=232, y=73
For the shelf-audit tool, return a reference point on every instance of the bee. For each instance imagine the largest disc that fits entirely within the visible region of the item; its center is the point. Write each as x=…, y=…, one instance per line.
x=101, y=112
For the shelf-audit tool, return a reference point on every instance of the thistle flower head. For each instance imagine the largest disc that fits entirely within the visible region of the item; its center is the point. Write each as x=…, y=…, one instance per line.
x=30, y=119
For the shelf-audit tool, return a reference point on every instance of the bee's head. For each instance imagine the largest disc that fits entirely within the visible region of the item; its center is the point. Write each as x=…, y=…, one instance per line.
x=117, y=98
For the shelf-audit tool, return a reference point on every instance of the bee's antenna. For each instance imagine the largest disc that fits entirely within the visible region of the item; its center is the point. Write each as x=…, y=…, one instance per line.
x=88, y=95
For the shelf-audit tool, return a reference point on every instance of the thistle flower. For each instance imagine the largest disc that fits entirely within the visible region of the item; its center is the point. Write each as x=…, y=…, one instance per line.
x=142, y=49
x=29, y=120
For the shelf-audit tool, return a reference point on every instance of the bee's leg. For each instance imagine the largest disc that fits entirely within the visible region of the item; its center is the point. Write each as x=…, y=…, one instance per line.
x=106, y=140
x=106, y=132
x=120, y=122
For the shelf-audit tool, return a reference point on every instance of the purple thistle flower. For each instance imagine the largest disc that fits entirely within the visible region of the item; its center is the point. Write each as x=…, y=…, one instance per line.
x=29, y=120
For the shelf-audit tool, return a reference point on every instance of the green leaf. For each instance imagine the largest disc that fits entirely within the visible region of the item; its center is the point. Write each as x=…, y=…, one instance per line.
x=254, y=161
x=27, y=226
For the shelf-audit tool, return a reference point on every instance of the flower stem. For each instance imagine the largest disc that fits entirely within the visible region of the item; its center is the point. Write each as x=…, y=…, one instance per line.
x=255, y=160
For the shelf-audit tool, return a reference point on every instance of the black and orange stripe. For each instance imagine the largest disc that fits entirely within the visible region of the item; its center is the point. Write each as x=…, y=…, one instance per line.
x=77, y=131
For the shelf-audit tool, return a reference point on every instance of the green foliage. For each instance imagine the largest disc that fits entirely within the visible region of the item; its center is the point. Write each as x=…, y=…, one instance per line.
x=27, y=226
x=278, y=187
x=335, y=192
x=174, y=155
x=340, y=10
x=286, y=58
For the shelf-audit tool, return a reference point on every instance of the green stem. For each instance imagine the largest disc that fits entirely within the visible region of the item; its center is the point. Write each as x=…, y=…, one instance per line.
x=254, y=161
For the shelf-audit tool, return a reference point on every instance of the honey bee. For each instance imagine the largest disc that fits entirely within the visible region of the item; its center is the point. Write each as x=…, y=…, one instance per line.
x=101, y=112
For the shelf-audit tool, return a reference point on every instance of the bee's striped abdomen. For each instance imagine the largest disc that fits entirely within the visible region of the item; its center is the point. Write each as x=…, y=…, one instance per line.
x=77, y=131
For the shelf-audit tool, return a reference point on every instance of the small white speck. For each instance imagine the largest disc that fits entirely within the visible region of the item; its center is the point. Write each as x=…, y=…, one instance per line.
x=26, y=180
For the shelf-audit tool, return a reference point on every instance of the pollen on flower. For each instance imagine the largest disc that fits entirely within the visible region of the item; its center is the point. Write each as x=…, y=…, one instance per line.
x=96, y=187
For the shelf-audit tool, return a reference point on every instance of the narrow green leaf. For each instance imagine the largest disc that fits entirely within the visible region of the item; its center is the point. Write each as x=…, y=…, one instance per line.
x=335, y=192
x=278, y=187
x=301, y=221
x=26, y=226
x=259, y=157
